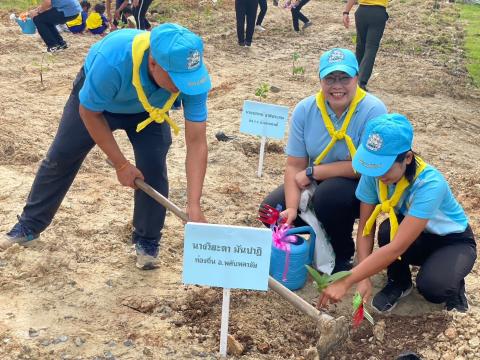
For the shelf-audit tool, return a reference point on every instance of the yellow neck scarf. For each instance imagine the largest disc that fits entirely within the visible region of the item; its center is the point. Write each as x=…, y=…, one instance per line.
x=140, y=44
x=342, y=133
x=388, y=205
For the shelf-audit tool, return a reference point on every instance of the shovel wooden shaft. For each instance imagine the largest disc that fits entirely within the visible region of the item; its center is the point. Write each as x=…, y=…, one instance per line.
x=161, y=199
x=298, y=302
x=281, y=290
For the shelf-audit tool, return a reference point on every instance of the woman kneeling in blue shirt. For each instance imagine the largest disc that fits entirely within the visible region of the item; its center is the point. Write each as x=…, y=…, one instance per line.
x=427, y=227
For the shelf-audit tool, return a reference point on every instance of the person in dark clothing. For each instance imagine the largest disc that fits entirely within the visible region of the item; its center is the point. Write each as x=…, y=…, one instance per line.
x=261, y=15
x=51, y=13
x=140, y=8
x=297, y=15
x=370, y=19
x=245, y=10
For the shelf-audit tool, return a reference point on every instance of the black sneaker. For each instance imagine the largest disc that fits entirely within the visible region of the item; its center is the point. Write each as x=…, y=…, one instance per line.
x=387, y=298
x=52, y=49
x=459, y=301
x=62, y=46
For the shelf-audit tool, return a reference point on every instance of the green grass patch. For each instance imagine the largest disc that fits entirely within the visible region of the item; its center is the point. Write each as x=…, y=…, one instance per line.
x=18, y=5
x=470, y=14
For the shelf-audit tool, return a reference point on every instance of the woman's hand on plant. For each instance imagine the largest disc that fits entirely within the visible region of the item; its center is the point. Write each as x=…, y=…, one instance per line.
x=289, y=214
x=333, y=293
x=364, y=287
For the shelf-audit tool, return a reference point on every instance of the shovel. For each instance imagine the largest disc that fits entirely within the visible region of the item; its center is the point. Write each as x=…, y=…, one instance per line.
x=332, y=331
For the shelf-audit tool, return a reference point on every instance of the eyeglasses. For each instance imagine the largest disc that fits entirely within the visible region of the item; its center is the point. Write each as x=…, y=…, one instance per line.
x=344, y=80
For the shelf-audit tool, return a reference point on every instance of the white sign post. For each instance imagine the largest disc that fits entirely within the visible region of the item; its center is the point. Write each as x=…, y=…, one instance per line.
x=227, y=257
x=224, y=324
x=265, y=120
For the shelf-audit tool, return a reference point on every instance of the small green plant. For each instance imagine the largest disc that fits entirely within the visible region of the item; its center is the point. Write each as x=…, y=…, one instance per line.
x=262, y=91
x=324, y=280
x=297, y=70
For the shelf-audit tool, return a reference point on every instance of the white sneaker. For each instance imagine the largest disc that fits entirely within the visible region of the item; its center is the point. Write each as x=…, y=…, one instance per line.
x=259, y=28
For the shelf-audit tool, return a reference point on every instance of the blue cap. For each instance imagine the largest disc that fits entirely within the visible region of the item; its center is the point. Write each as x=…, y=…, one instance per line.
x=180, y=53
x=385, y=137
x=338, y=60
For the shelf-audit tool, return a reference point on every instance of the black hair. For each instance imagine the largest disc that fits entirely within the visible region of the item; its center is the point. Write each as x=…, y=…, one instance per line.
x=85, y=4
x=99, y=8
x=411, y=168
x=127, y=10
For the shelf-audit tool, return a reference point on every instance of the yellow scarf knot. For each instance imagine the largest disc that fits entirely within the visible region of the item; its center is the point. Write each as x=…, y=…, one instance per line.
x=340, y=134
x=140, y=44
x=388, y=205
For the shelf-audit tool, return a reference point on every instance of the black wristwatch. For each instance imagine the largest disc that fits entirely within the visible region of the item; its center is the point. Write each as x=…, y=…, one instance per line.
x=309, y=173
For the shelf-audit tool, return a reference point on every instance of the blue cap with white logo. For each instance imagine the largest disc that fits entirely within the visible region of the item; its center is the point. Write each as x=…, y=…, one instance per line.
x=338, y=60
x=385, y=137
x=180, y=53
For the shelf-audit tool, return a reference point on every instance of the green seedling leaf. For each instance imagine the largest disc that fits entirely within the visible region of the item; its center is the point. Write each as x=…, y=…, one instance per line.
x=324, y=280
x=367, y=316
x=338, y=275
x=357, y=301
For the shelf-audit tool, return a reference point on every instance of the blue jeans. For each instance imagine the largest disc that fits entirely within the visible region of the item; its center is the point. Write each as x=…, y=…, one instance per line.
x=71, y=145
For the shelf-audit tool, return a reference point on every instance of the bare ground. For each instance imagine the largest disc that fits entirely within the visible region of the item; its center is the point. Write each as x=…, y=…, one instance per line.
x=77, y=294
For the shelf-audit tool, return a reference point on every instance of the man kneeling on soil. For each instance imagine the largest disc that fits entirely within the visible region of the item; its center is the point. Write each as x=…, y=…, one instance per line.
x=129, y=81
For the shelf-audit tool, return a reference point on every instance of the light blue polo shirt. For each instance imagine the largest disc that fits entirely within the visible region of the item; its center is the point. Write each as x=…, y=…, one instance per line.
x=67, y=7
x=429, y=197
x=308, y=135
x=108, y=83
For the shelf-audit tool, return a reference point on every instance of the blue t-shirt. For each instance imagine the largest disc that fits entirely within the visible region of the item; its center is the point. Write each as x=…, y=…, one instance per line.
x=67, y=7
x=429, y=197
x=108, y=83
x=308, y=135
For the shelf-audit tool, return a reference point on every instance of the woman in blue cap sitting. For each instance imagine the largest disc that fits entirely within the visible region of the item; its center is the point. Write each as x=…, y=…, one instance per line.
x=426, y=227
x=325, y=130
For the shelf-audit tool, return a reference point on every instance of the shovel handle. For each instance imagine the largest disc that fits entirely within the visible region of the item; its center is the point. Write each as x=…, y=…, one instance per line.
x=161, y=199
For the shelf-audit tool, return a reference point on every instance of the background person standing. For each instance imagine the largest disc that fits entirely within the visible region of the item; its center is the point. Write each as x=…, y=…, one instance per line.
x=297, y=15
x=261, y=15
x=140, y=8
x=370, y=19
x=245, y=10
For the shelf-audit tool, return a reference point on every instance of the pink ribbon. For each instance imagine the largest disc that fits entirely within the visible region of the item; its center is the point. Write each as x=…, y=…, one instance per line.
x=282, y=242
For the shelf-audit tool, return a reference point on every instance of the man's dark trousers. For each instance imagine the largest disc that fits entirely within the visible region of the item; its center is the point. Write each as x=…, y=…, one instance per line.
x=67, y=152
